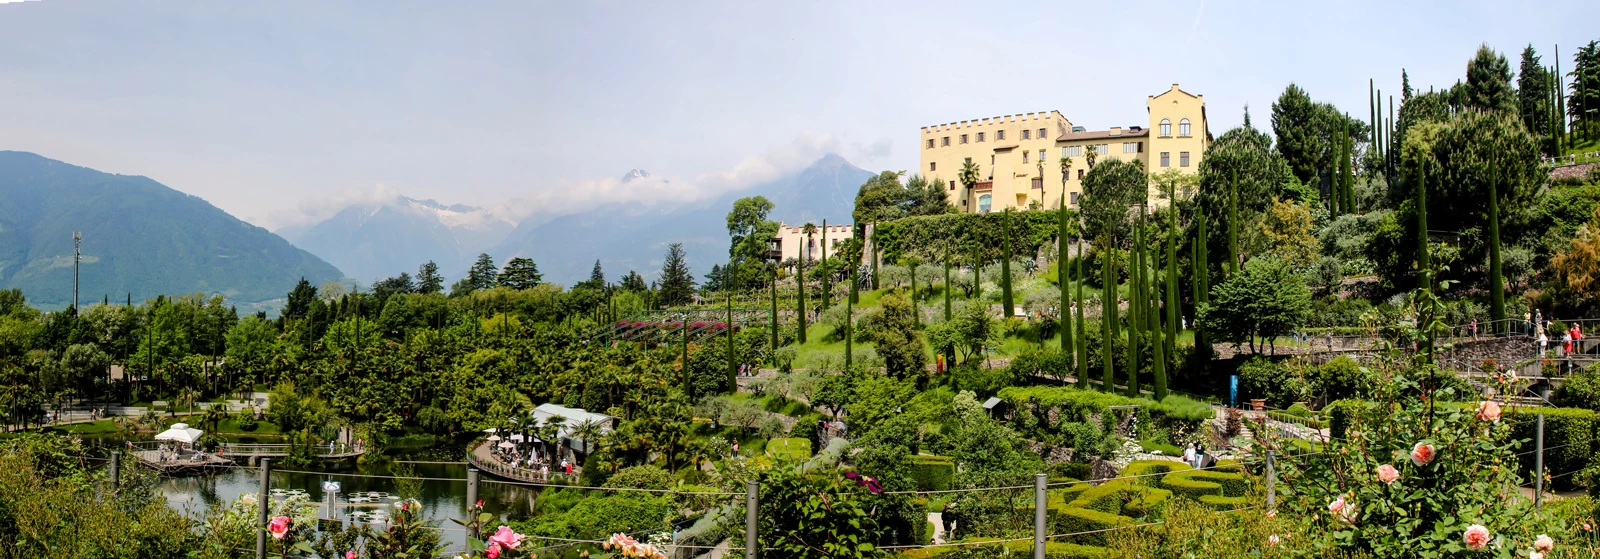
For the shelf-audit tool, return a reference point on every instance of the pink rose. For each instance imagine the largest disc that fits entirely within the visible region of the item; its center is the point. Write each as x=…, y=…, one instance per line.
x=1535, y=555
x=1476, y=536
x=1337, y=505
x=1348, y=515
x=1488, y=411
x=1544, y=543
x=492, y=552
x=1387, y=474
x=1423, y=453
x=506, y=537
x=349, y=555
x=278, y=527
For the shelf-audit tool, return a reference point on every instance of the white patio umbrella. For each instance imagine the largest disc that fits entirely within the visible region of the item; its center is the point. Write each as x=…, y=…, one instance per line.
x=180, y=432
x=493, y=438
x=508, y=444
x=491, y=430
x=517, y=438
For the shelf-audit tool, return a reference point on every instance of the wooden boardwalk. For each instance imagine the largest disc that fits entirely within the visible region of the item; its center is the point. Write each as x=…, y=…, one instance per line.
x=227, y=455
x=483, y=459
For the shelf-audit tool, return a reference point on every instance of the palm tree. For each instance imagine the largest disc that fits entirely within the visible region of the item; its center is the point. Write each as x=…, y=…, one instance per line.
x=968, y=178
x=1089, y=153
x=810, y=229
x=214, y=415
x=1066, y=170
x=587, y=431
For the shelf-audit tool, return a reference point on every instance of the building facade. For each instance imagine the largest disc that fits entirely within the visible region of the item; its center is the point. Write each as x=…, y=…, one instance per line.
x=1019, y=156
x=792, y=241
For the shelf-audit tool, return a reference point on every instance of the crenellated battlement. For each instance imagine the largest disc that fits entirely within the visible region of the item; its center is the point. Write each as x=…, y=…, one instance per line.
x=992, y=121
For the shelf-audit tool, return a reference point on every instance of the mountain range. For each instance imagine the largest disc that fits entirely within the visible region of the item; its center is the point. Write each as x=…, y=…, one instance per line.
x=139, y=237
x=371, y=241
x=635, y=236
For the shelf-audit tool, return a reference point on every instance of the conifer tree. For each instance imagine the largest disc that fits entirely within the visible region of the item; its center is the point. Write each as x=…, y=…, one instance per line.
x=482, y=274
x=1233, y=224
x=827, y=288
x=1135, y=303
x=1005, y=265
x=1172, y=271
x=520, y=273
x=1062, y=279
x=1083, y=328
x=947, y=283
x=849, y=318
x=428, y=278
x=733, y=366
x=800, y=297
x=677, y=284
x=1108, y=311
x=772, y=323
x=977, y=272
x=1158, y=356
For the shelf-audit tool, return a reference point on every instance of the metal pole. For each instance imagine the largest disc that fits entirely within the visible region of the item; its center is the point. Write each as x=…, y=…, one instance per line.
x=262, y=506
x=1538, y=464
x=1272, y=479
x=472, y=495
x=1039, y=484
x=752, y=504
x=116, y=470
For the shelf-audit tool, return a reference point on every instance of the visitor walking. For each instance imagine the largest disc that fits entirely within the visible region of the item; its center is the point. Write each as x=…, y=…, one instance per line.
x=1473, y=327
x=1188, y=454
x=1527, y=323
x=1566, y=344
x=1544, y=342
x=1538, y=321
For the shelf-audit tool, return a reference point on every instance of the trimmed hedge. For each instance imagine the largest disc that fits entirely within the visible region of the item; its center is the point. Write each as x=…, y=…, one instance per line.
x=933, y=473
x=1196, y=484
x=1147, y=467
x=1569, y=440
x=1069, y=520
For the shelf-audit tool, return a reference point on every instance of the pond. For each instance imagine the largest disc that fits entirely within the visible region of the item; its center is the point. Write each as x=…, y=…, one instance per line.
x=442, y=489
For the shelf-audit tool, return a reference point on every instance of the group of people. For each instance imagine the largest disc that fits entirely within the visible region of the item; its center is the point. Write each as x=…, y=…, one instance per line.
x=532, y=464
x=1195, y=456
x=1571, y=340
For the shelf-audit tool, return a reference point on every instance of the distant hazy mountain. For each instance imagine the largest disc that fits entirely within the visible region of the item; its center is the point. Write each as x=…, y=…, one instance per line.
x=375, y=241
x=138, y=236
x=635, y=236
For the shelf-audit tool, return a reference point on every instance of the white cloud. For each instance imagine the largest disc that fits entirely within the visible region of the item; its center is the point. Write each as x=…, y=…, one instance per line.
x=671, y=190
x=313, y=211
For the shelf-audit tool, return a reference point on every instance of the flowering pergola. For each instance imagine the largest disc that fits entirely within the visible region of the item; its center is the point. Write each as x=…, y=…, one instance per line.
x=673, y=326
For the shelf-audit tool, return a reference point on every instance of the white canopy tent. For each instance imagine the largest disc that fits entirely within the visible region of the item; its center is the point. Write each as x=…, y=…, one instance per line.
x=180, y=432
x=569, y=420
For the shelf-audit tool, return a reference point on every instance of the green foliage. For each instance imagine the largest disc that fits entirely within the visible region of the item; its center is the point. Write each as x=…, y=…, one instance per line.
x=1279, y=385
x=1108, y=191
x=1488, y=85
x=928, y=237
x=815, y=517
x=1581, y=389
x=1265, y=301
x=785, y=450
x=677, y=284
x=933, y=473
x=1569, y=440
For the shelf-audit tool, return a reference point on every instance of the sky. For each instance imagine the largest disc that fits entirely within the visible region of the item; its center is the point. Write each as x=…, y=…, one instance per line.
x=281, y=113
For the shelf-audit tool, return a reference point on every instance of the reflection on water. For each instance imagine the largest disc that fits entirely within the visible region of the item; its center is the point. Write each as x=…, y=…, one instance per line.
x=442, y=492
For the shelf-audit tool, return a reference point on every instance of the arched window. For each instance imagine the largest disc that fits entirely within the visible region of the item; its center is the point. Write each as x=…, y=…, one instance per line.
x=1183, y=127
x=984, y=202
x=1166, y=127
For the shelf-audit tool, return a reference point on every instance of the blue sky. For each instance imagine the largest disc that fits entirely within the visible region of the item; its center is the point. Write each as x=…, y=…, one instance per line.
x=281, y=112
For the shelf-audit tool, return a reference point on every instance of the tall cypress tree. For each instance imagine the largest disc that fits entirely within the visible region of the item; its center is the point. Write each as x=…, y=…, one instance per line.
x=1233, y=224
x=947, y=283
x=1561, y=106
x=872, y=235
x=977, y=271
x=728, y=281
x=1347, y=176
x=1136, y=314
x=1158, y=355
x=1005, y=264
x=1202, y=282
x=800, y=297
x=827, y=288
x=1372, y=112
x=1497, y=288
x=1062, y=277
x=849, y=322
x=1108, y=312
x=916, y=311
x=1382, y=146
x=773, y=321
x=1172, y=271
x=1083, y=328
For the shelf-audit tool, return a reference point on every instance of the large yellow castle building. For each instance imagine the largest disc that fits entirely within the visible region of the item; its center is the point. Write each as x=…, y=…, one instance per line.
x=1019, y=156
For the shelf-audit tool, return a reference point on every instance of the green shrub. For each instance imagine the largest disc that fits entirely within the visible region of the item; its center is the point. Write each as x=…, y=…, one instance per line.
x=1071, y=520
x=1200, y=483
x=981, y=548
x=1122, y=497
x=1338, y=414
x=1568, y=440
x=933, y=473
x=1224, y=503
x=1260, y=377
x=1147, y=467
x=1072, y=470
x=1299, y=410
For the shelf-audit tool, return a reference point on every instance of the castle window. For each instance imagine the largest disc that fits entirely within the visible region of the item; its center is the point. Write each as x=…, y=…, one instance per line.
x=984, y=202
x=1166, y=127
x=1041, y=133
x=1183, y=127
x=945, y=142
x=1129, y=147
x=1041, y=156
x=933, y=166
x=1166, y=158
x=952, y=185
x=1025, y=133
x=999, y=135
x=1024, y=157
x=1075, y=198
x=963, y=138
x=1183, y=159
x=968, y=160
x=1080, y=174
x=991, y=159
x=980, y=136
x=930, y=143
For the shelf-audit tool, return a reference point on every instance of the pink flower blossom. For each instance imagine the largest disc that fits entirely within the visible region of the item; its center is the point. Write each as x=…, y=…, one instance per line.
x=1337, y=505
x=1476, y=536
x=1489, y=411
x=1387, y=474
x=1423, y=453
x=349, y=555
x=1535, y=555
x=506, y=537
x=1272, y=540
x=492, y=552
x=278, y=527
x=1544, y=543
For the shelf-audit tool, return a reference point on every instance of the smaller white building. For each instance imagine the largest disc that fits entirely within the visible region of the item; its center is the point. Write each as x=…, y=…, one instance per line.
x=792, y=241
x=569, y=422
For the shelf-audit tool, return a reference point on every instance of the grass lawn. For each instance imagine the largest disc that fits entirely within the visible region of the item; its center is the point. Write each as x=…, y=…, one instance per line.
x=101, y=427
x=231, y=426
